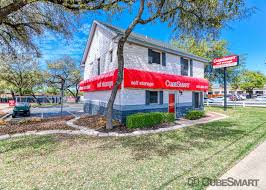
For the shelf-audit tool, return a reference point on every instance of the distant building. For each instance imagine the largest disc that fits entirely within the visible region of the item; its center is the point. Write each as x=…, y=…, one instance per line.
x=217, y=91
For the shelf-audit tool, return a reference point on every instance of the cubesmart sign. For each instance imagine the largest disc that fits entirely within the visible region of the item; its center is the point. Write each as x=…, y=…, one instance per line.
x=227, y=61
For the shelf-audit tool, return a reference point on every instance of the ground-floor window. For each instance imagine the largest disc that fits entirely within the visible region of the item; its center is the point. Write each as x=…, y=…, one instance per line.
x=154, y=97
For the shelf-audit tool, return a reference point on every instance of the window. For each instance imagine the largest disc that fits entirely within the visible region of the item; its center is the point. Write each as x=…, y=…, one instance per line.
x=111, y=55
x=191, y=67
x=99, y=66
x=154, y=97
x=184, y=66
x=154, y=56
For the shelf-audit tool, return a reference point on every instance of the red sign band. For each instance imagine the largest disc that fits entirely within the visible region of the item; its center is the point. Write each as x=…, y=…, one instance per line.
x=145, y=80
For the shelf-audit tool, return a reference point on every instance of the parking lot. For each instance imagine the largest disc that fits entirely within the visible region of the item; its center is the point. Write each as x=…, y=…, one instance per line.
x=51, y=111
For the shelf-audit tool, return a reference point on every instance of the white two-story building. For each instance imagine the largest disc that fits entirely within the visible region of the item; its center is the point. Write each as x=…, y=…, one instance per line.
x=157, y=76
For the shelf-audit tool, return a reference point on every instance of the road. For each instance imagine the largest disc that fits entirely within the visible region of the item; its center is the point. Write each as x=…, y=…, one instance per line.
x=68, y=109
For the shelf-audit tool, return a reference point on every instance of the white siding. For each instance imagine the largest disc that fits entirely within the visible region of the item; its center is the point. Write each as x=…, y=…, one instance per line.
x=133, y=97
x=186, y=97
x=100, y=46
x=136, y=57
x=198, y=69
x=102, y=96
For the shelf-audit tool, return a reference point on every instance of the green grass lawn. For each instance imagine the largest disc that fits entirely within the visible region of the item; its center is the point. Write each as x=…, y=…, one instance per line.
x=158, y=161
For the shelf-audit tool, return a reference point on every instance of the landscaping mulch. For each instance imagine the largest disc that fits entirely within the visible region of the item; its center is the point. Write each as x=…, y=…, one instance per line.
x=35, y=124
x=98, y=122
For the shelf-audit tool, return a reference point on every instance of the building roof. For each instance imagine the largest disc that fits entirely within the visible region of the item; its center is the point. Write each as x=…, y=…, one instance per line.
x=142, y=40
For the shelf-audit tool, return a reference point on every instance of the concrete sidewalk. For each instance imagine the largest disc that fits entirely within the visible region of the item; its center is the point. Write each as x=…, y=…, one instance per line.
x=253, y=166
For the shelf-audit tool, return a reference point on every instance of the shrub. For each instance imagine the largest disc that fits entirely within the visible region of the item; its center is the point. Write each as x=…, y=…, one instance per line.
x=168, y=117
x=141, y=120
x=195, y=114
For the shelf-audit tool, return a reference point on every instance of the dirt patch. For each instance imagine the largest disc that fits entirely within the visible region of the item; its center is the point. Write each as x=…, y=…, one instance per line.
x=94, y=121
x=36, y=124
x=98, y=123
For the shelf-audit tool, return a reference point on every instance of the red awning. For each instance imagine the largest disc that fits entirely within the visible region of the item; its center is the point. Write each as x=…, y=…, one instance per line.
x=145, y=80
x=104, y=81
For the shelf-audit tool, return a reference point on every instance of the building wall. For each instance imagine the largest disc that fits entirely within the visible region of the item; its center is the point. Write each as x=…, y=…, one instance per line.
x=101, y=44
x=136, y=57
x=198, y=69
x=129, y=101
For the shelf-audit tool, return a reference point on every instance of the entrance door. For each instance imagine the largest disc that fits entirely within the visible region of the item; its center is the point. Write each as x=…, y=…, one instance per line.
x=171, y=103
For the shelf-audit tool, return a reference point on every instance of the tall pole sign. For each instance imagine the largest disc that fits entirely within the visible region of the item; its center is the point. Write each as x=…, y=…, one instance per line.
x=224, y=62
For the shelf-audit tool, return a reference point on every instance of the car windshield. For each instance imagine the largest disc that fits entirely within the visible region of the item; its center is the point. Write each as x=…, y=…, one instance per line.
x=22, y=104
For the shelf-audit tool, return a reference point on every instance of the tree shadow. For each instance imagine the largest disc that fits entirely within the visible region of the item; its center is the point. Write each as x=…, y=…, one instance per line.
x=33, y=142
x=178, y=141
x=201, y=162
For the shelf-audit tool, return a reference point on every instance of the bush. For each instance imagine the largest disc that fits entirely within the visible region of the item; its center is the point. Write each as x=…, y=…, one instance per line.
x=141, y=120
x=168, y=117
x=195, y=114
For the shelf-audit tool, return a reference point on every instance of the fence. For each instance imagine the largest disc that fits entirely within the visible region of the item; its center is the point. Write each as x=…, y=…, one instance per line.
x=238, y=103
x=41, y=99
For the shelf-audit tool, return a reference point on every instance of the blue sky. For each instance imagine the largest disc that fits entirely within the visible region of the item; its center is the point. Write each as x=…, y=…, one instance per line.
x=247, y=36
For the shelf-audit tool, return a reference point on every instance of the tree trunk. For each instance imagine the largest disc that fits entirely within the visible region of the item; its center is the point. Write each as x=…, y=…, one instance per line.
x=250, y=92
x=13, y=94
x=75, y=95
x=120, y=58
x=36, y=99
x=62, y=97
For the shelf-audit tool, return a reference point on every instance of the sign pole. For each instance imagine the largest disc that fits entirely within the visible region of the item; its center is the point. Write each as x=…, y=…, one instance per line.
x=225, y=90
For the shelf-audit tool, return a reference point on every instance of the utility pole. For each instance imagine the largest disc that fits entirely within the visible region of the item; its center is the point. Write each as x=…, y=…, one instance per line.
x=225, y=90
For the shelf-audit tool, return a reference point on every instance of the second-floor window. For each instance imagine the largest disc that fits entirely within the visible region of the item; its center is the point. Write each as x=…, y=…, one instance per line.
x=184, y=66
x=154, y=56
x=111, y=55
x=99, y=66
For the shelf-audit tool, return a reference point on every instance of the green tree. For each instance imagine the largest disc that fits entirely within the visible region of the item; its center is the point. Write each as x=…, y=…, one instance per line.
x=64, y=74
x=23, y=20
x=21, y=74
x=249, y=80
x=210, y=48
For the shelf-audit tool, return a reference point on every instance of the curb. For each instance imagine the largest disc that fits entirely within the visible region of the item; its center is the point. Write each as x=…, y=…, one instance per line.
x=91, y=132
x=5, y=116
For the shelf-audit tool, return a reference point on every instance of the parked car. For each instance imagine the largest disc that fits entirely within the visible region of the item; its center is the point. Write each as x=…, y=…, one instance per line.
x=242, y=97
x=21, y=108
x=218, y=99
x=261, y=98
x=234, y=98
